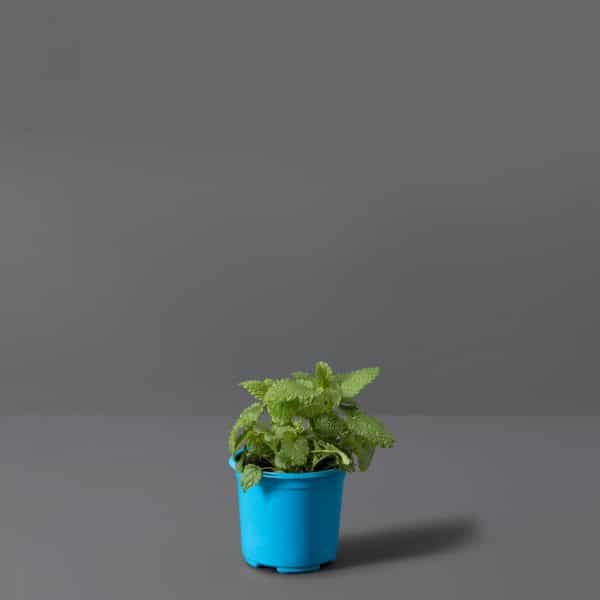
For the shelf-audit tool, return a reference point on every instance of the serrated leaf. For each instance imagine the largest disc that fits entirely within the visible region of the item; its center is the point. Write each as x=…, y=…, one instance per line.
x=334, y=395
x=287, y=389
x=256, y=388
x=283, y=412
x=301, y=375
x=323, y=374
x=256, y=444
x=236, y=439
x=371, y=429
x=313, y=407
x=248, y=417
x=352, y=383
x=239, y=463
x=349, y=410
x=306, y=378
x=326, y=448
x=282, y=462
x=293, y=451
x=251, y=475
x=324, y=461
x=282, y=430
x=284, y=399
x=328, y=425
x=364, y=453
x=321, y=402
x=348, y=405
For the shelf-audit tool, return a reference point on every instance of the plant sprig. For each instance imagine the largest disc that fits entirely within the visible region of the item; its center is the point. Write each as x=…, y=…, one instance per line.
x=307, y=422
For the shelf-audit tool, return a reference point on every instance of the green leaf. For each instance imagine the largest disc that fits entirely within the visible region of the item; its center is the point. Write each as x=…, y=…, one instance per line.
x=349, y=410
x=281, y=431
x=326, y=448
x=256, y=444
x=352, y=383
x=364, y=453
x=324, y=461
x=293, y=451
x=250, y=477
x=301, y=375
x=371, y=429
x=306, y=378
x=248, y=417
x=328, y=425
x=348, y=405
x=282, y=462
x=322, y=401
x=283, y=412
x=239, y=463
x=236, y=439
x=284, y=399
x=323, y=374
x=283, y=390
x=334, y=396
x=256, y=388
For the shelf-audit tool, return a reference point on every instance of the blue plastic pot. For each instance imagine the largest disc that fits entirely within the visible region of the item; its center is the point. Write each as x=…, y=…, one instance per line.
x=291, y=521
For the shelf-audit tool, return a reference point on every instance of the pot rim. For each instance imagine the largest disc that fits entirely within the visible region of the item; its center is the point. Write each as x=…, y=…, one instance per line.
x=282, y=475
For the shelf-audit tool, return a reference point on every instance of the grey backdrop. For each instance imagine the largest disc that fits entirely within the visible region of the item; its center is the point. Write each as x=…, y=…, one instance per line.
x=195, y=193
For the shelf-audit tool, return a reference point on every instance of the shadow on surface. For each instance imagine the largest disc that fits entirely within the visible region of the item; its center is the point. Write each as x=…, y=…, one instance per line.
x=404, y=542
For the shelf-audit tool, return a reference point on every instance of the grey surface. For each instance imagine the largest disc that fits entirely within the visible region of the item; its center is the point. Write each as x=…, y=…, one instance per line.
x=197, y=193
x=145, y=508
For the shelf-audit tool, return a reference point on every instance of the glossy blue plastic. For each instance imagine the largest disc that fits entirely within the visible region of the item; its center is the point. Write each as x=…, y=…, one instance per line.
x=291, y=521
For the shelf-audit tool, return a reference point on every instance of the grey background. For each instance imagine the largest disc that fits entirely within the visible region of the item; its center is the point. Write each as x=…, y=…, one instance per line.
x=194, y=193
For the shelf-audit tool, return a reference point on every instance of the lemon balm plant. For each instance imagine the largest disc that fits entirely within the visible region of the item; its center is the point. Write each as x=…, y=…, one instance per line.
x=308, y=422
x=291, y=449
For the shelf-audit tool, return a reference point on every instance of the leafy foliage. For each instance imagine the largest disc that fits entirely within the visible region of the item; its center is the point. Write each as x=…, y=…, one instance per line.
x=312, y=423
x=258, y=389
x=246, y=420
x=351, y=384
x=293, y=452
x=364, y=452
x=251, y=475
x=370, y=429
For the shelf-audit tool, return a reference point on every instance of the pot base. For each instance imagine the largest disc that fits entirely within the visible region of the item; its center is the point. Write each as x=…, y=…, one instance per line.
x=305, y=569
x=308, y=569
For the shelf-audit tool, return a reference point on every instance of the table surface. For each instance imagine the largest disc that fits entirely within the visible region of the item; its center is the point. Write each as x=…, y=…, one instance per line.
x=144, y=507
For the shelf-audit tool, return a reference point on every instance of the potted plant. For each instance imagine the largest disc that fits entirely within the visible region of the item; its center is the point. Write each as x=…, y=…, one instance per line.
x=290, y=451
